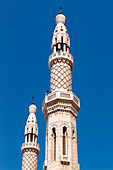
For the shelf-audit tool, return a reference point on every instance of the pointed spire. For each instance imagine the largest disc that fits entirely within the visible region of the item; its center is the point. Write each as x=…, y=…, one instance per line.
x=60, y=18
x=33, y=100
x=60, y=10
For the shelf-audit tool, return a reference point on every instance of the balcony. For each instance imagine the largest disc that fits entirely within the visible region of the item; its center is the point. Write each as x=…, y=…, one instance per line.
x=63, y=55
x=65, y=160
x=62, y=95
x=30, y=145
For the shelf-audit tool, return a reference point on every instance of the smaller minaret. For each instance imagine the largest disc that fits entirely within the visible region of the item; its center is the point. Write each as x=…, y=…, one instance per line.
x=30, y=149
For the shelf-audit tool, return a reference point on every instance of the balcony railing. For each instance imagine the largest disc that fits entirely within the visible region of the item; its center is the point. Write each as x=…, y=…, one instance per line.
x=65, y=159
x=30, y=145
x=67, y=95
x=61, y=55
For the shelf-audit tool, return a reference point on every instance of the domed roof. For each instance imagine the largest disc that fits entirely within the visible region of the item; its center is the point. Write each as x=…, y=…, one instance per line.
x=32, y=118
x=60, y=18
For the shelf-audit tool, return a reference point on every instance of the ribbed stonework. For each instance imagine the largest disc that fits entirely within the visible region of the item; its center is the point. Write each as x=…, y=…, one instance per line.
x=30, y=149
x=61, y=106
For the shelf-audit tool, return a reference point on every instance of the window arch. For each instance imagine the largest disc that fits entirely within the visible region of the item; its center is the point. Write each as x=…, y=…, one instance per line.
x=31, y=135
x=62, y=43
x=65, y=141
x=54, y=144
x=27, y=137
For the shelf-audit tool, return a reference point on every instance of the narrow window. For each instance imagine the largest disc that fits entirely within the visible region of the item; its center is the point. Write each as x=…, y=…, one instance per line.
x=54, y=144
x=31, y=137
x=66, y=47
x=27, y=137
x=55, y=40
x=62, y=43
x=56, y=47
x=35, y=138
x=64, y=141
x=59, y=47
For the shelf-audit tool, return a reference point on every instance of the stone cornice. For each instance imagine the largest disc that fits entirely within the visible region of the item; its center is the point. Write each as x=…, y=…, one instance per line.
x=60, y=56
x=61, y=96
x=30, y=146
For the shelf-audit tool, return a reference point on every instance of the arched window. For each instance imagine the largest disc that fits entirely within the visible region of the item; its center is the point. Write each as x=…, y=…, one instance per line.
x=66, y=47
x=62, y=43
x=64, y=141
x=32, y=135
x=55, y=40
x=27, y=137
x=54, y=144
x=56, y=47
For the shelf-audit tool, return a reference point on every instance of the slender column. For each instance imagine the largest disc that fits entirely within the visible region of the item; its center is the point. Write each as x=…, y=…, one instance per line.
x=64, y=47
x=54, y=48
x=29, y=138
x=33, y=138
x=67, y=50
x=25, y=138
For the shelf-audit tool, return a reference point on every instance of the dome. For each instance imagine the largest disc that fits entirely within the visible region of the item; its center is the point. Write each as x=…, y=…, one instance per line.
x=60, y=18
x=32, y=109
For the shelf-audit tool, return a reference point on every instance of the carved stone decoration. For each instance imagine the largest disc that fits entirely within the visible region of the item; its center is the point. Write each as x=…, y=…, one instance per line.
x=61, y=106
x=29, y=161
x=61, y=77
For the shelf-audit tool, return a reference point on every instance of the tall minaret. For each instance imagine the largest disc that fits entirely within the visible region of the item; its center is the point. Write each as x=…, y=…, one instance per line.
x=61, y=106
x=30, y=149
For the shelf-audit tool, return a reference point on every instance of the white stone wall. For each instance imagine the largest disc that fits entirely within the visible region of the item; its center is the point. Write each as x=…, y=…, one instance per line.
x=58, y=119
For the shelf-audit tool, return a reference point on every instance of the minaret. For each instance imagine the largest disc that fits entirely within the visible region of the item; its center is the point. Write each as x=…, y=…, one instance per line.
x=30, y=149
x=61, y=106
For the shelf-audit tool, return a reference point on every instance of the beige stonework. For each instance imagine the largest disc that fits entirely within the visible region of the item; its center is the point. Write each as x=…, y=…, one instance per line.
x=61, y=106
x=30, y=149
x=61, y=76
x=29, y=160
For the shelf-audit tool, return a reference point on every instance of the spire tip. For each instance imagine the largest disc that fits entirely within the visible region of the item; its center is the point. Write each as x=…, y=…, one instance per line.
x=33, y=100
x=60, y=10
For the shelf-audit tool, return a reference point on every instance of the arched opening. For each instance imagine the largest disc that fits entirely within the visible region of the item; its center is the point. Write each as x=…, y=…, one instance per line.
x=54, y=144
x=64, y=141
x=27, y=137
x=66, y=47
x=56, y=47
x=31, y=134
x=55, y=40
x=62, y=44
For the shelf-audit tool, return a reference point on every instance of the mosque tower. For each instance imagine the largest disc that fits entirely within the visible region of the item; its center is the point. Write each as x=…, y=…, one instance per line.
x=61, y=105
x=30, y=149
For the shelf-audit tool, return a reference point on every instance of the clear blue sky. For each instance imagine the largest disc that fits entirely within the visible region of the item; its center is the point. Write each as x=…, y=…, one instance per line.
x=26, y=28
